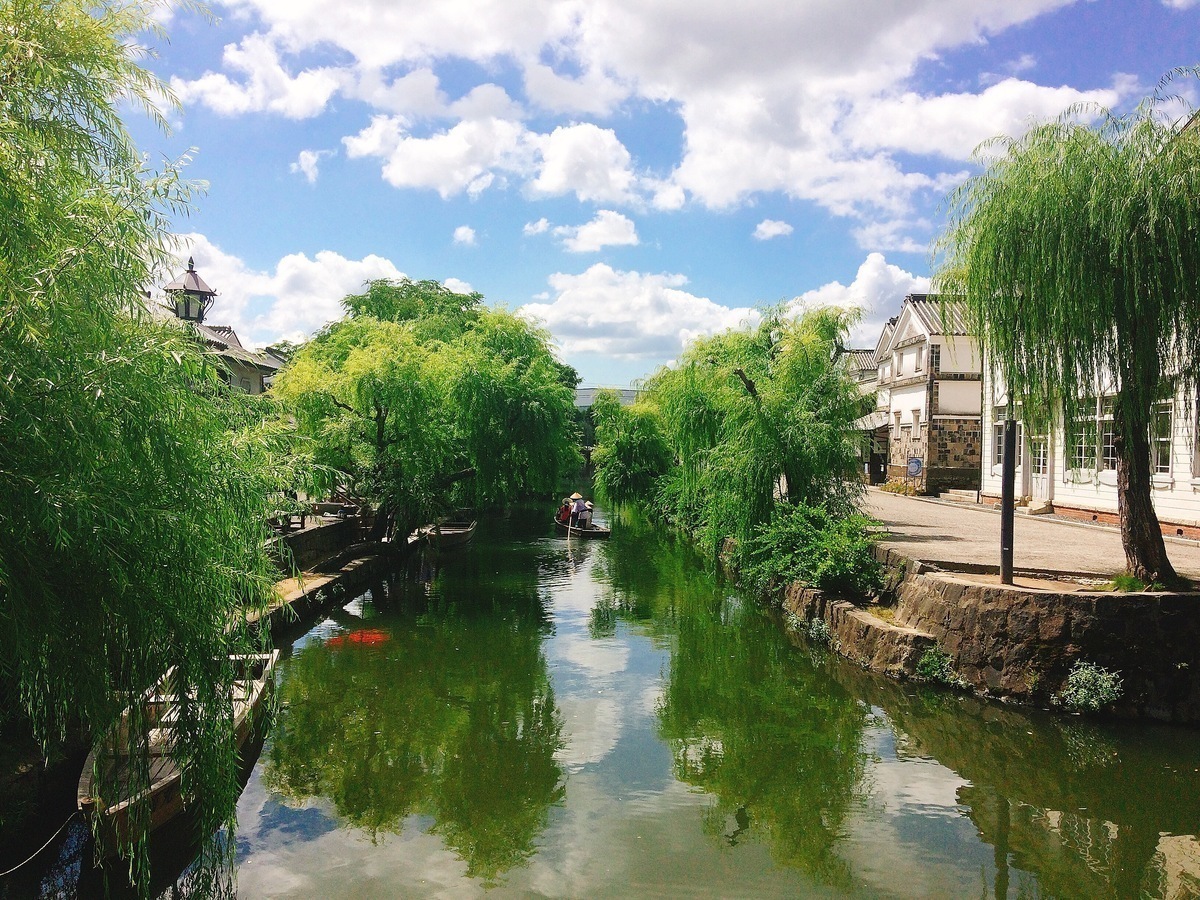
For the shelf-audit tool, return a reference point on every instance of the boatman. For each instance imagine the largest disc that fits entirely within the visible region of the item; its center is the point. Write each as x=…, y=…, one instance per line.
x=577, y=506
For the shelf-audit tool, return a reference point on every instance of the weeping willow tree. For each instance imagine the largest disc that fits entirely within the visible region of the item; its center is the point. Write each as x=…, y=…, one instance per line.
x=1078, y=253
x=134, y=483
x=754, y=421
x=424, y=399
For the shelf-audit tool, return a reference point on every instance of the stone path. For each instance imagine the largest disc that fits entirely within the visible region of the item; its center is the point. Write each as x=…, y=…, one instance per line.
x=952, y=533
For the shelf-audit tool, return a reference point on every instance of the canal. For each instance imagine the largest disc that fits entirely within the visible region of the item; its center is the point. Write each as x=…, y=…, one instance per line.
x=530, y=716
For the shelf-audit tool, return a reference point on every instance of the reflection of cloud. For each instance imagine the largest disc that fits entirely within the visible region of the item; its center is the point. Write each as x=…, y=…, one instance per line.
x=591, y=728
x=594, y=657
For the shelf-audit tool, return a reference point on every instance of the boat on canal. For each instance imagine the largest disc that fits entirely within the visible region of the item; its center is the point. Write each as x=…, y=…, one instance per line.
x=108, y=766
x=590, y=531
x=445, y=535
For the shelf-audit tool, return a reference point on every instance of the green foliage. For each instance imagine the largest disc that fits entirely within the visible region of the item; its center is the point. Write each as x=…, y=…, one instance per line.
x=631, y=451
x=937, y=666
x=1131, y=583
x=749, y=418
x=899, y=487
x=818, y=632
x=442, y=402
x=810, y=545
x=1076, y=253
x=135, y=484
x=1089, y=688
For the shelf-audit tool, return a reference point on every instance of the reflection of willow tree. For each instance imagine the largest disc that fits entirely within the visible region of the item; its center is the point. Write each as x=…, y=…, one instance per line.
x=747, y=720
x=454, y=718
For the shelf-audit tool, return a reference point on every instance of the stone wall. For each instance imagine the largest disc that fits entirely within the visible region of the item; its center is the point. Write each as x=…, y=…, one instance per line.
x=1021, y=644
x=303, y=549
x=955, y=455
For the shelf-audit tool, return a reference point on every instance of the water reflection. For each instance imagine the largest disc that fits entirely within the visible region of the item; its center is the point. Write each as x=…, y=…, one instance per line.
x=777, y=747
x=453, y=718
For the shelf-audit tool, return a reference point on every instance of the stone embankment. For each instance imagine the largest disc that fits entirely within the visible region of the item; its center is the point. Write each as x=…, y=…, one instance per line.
x=1018, y=644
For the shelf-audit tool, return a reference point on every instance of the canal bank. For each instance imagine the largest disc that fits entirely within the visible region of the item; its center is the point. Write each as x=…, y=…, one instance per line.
x=1017, y=643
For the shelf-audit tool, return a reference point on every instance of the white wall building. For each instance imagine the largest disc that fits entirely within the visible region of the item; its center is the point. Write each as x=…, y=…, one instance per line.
x=929, y=395
x=1074, y=471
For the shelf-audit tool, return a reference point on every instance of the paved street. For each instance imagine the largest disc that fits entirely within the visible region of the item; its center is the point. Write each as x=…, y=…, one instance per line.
x=951, y=533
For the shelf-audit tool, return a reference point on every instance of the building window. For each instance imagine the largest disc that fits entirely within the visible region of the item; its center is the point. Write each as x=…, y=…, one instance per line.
x=1108, y=434
x=1039, y=456
x=998, y=416
x=898, y=362
x=916, y=421
x=896, y=431
x=1160, y=436
x=246, y=385
x=920, y=359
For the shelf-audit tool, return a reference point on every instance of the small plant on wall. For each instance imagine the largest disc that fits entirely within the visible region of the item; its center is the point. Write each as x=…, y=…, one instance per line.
x=1089, y=688
x=937, y=666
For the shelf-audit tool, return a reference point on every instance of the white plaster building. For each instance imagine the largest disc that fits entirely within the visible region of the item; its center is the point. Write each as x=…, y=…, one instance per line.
x=929, y=396
x=1075, y=473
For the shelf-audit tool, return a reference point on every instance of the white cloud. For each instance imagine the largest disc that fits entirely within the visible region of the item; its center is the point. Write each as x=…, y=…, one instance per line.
x=308, y=163
x=265, y=86
x=877, y=292
x=458, y=286
x=607, y=229
x=538, y=227
x=464, y=234
x=629, y=314
x=587, y=160
x=298, y=297
x=1180, y=4
x=464, y=158
x=771, y=228
x=814, y=100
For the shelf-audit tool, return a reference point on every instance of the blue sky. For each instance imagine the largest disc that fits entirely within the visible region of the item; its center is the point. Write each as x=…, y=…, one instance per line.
x=631, y=173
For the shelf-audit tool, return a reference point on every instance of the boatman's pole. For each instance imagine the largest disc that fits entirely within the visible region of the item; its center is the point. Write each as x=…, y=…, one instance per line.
x=1008, y=485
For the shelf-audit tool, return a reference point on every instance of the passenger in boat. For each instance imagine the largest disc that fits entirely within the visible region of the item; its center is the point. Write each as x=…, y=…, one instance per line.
x=564, y=511
x=577, y=507
x=585, y=517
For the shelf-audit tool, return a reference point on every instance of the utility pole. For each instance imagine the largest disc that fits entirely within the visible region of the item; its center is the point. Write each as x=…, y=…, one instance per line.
x=1008, y=500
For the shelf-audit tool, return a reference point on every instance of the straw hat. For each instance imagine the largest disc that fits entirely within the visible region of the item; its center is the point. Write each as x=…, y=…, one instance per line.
x=577, y=496
x=588, y=504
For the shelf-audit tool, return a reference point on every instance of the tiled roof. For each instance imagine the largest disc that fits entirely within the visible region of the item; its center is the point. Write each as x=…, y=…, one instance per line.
x=938, y=315
x=190, y=281
x=861, y=359
x=584, y=396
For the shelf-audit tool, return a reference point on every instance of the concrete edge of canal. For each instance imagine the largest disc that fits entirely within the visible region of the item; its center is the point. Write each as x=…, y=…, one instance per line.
x=1018, y=643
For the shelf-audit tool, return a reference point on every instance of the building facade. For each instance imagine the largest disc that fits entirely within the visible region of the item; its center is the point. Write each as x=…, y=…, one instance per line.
x=929, y=398
x=1073, y=471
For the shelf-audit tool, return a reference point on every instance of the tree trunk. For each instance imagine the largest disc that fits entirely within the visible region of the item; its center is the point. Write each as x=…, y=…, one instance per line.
x=1141, y=536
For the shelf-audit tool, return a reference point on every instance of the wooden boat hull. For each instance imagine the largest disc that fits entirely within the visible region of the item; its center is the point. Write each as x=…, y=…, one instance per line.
x=593, y=532
x=446, y=535
x=164, y=794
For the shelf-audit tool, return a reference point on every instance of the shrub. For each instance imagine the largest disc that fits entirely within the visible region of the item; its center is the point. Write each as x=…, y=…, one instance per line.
x=811, y=545
x=1089, y=688
x=818, y=631
x=936, y=665
x=900, y=487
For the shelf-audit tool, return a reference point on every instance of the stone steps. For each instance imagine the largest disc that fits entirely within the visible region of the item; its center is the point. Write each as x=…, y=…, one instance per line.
x=959, y=496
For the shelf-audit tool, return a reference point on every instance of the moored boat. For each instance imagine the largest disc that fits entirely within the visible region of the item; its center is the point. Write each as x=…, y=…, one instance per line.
x=108, y=766
x=592, y=531
x=445, y=535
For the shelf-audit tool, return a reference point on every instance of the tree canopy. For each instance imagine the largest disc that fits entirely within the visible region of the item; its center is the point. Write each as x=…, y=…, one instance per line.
x=747, y=420
x=425, y=399
x=1077, y=250
x=134, y=481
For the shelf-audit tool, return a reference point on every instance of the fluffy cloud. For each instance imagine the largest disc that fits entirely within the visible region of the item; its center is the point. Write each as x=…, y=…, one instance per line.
x=817, y=100
x=300, y=296
x=538, y=227
x=876, y=292
x=458, y=286
x=771, y=228
x=607, y=229
x=464, y=234
x=632, y=315
x=308, y=162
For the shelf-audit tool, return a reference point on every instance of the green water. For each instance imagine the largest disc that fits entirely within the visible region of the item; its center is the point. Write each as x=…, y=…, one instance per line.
x=534, y=717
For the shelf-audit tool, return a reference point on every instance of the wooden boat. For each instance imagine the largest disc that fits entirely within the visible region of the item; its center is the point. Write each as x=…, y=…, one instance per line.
x=592, y=532
x=445, y=535
x=109, y=762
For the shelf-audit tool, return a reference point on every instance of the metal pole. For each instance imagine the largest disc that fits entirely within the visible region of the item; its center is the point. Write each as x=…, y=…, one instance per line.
x=1007, y=501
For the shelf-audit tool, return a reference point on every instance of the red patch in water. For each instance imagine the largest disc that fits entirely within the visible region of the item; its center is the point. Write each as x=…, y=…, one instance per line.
x=362, y=636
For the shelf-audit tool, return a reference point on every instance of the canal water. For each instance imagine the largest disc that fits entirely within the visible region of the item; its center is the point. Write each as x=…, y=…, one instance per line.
x=529, y=716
